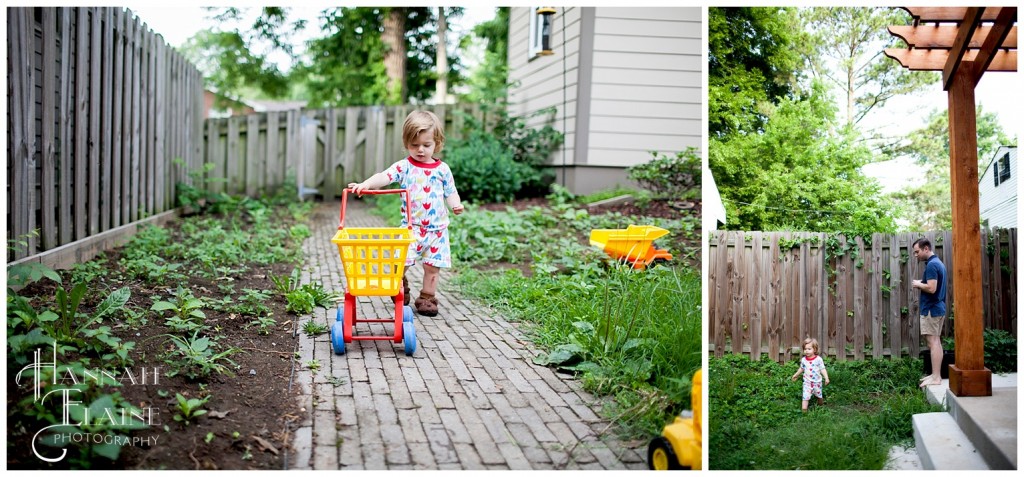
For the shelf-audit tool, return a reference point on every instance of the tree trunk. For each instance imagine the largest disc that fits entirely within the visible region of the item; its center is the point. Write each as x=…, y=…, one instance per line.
x=394, y=57
x=441, y=95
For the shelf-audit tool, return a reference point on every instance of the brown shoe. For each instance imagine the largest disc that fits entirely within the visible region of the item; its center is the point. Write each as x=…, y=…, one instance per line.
x=426, y=305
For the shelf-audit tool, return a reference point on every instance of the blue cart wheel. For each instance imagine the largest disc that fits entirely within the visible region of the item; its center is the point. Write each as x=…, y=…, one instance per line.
x=339, y=315
x=409, y=332
x=407, y=315
x=338, y=337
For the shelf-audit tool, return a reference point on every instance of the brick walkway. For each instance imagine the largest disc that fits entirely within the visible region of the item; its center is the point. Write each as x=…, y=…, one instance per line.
x=469, y=398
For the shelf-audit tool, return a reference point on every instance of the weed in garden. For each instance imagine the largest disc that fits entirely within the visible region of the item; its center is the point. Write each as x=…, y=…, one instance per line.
x=252, y=302
x=196, y=357
x=313, y=328
x=313, y=365
x=263, y=324
x=189, y=409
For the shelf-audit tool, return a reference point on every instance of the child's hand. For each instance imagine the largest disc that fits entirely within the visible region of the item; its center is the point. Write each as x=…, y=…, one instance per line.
x=826, y=381
x=357, y=188
x=458, y=209
x=793, y=378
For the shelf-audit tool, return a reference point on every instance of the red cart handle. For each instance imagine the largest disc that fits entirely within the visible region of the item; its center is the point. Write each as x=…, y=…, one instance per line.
x=408, y=203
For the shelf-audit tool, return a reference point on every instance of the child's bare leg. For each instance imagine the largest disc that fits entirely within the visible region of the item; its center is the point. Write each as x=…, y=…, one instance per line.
x=804, y=405
x=430, y=278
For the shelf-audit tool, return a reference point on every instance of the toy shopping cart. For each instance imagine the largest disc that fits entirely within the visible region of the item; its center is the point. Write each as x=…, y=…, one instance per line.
x=373, y=260
x=634, y=245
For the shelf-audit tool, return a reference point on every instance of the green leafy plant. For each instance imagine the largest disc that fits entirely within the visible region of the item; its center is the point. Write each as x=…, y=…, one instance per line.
x=197, y=357
x=263, y=324
x=313, y=328
x=189, y=409
x=1000, y=351
x=670, y=177
x=252, y=302
x=187, y=314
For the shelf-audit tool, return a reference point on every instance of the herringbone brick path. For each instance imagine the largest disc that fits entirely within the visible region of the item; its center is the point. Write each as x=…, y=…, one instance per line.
x=469, y=398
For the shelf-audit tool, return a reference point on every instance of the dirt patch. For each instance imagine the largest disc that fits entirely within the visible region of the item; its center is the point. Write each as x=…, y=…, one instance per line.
x=250, y=412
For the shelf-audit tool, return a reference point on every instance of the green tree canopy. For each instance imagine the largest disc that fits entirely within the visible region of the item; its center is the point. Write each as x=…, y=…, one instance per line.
x=752, y=64
x=798, y=174
x=345, y=64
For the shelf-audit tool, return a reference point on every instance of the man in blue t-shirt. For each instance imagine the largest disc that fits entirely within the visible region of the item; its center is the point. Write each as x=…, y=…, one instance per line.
x=933, y=306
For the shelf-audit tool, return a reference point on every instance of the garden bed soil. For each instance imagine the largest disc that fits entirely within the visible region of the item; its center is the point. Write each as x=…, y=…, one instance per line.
x=258, y=402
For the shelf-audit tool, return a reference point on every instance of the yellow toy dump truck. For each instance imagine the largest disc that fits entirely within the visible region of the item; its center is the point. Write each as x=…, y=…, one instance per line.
x=631, y=245
x=679, y=446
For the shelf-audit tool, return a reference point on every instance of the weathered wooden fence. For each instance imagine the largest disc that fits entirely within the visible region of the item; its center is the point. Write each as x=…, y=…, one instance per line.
x=321, y=149
x=768, y=291
x=98, y=108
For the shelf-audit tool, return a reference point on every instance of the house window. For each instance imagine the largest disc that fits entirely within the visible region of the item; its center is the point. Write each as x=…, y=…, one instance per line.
x=540, y=31
x=1004, y=168
x=995, y=172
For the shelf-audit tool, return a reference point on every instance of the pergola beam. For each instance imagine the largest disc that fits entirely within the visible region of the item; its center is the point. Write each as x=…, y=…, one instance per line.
x=956, y=53
x=945, y=14
x=942, y=36
x=935, y=60
x=1000, y=30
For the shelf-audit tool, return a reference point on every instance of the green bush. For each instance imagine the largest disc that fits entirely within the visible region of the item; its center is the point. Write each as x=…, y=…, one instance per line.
x=504, y=162
x=670, y=177
x=1000, y=351
x=485, y=171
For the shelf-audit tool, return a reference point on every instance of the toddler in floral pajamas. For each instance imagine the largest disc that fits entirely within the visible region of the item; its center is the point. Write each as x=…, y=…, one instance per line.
x=431, y=187
x=813, y=368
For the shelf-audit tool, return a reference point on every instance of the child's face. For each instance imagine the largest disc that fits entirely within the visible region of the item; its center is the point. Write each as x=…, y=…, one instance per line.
x=422, y=146
x=808, y=350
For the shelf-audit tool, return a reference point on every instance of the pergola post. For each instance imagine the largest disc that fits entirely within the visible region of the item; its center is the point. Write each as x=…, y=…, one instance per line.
x=968, y=376
x=982, y=39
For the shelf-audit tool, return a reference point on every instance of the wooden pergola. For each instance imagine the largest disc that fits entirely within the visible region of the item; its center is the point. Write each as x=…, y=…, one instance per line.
x=963, y=43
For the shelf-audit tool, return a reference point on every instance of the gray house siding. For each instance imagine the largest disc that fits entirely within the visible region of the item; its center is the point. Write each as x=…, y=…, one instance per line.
x=624, y=81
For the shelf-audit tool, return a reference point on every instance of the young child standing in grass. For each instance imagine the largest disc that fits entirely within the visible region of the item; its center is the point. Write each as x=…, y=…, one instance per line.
x=430, y=185
x=813, y=368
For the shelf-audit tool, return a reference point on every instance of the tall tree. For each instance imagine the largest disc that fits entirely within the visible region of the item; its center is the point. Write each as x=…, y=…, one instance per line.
x=752, y=65
x=928, y=206
x=393, y=37
x=844, y=48
x=441, y=93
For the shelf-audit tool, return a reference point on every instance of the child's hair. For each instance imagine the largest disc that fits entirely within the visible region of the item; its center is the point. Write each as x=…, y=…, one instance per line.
x=419, y=121
x=814, y=344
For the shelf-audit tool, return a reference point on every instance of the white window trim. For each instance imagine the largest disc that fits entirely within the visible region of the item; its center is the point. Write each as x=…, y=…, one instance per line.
x=535, y=41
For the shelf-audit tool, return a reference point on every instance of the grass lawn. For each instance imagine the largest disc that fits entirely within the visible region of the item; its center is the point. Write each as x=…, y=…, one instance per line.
x=756, y=421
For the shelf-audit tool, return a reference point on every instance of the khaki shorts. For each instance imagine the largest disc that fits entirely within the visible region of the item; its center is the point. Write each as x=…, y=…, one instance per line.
x=932, y=325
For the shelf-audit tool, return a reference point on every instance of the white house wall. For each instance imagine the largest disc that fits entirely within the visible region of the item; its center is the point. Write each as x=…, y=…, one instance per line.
x=998, y=205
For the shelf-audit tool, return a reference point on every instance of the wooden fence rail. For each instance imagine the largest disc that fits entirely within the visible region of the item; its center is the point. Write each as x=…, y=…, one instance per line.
x=99, y=108
x=770, y=290
x=318, y=149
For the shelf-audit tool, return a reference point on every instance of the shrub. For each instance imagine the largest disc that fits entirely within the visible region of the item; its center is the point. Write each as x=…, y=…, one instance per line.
x=484, y=169
x=1000, y=351
x=505, y=162
x=670, y=177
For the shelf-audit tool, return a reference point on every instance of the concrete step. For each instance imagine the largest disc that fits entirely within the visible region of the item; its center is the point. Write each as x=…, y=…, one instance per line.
x=990, y=423
x=941, y=444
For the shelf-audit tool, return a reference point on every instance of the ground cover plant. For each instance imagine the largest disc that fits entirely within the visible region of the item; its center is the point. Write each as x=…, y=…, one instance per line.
x=631, y=336
x=178, y=345
x=756, y=422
